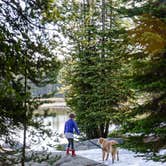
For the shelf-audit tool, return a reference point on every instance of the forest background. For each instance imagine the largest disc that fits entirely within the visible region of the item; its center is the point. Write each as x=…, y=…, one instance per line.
x=113, y=70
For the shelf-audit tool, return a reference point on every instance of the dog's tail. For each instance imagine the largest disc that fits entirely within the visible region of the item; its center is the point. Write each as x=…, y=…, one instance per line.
x=113, y=142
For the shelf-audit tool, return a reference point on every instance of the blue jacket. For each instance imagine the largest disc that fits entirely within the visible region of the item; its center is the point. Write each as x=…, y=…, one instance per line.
x=71, y=126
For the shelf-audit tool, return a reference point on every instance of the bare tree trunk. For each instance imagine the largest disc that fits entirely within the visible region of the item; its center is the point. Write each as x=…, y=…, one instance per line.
x=104, y=127
x=103, y=29
x=24, y=141
x=25, y=117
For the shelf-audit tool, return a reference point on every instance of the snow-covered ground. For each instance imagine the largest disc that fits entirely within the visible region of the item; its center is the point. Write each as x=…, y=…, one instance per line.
x=126, y=158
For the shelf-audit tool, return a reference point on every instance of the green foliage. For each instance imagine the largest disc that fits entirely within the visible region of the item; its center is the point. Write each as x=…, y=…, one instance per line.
x=148, y=150
x=150, y=124
x=25, y=57
x=115, y=74
x=60, y=147
x=93, y=73
x=39, y=157
x=146, y=63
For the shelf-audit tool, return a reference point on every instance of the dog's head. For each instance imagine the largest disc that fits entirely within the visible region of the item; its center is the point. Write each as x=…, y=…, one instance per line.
x=101, y=140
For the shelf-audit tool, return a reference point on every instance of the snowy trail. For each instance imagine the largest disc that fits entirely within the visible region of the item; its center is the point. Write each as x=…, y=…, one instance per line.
x=127, y=158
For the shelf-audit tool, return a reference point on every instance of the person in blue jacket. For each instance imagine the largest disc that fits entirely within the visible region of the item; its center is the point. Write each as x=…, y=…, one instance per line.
x=70, y=128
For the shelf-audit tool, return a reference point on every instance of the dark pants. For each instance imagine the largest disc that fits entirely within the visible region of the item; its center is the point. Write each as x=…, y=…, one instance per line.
x=70, y=143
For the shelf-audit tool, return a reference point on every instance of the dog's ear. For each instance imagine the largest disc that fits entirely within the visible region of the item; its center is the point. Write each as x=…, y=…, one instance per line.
x=100, y=140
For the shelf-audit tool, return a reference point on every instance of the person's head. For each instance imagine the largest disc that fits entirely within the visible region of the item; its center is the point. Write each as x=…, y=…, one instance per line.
x=72, y=116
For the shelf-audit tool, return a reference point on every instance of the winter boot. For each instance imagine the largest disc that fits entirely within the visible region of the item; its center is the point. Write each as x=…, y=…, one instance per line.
x=67, y=151
x=73, y=153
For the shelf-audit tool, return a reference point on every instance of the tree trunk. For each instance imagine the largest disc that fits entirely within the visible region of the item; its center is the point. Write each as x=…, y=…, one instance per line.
x=25, y=118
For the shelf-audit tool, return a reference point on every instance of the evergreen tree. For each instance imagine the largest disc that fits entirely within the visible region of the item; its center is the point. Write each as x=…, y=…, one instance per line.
x=93, y=71
x=25, y=55
x=147, y=61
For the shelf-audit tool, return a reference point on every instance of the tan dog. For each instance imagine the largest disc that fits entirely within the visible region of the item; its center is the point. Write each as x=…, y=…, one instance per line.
x=109, y=147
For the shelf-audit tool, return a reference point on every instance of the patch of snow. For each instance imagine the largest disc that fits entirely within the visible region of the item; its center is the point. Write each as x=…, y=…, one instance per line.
x=163, y=124
x=134, y=134
x=126, y=158
x=162, y=152
x=113, y=127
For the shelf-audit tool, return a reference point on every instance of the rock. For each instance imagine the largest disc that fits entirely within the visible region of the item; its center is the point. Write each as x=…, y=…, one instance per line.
x=68, y=160
x=91, y=144
x=152, y=138
x=86, y=145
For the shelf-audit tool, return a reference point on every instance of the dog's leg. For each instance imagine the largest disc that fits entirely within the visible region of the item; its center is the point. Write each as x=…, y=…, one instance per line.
x=103, y=155
x=117, y=155
x=107, y=156
x=113, y=157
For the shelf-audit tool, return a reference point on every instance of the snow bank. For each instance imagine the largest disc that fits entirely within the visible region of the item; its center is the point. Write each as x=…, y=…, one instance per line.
x=127, y=158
